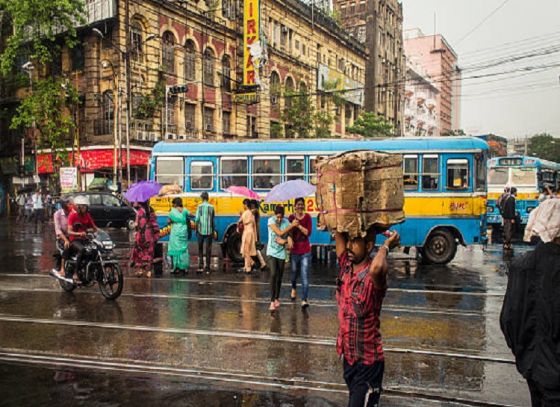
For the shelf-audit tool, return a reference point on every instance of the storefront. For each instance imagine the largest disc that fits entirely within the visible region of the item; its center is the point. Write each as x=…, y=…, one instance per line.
x=96, y=162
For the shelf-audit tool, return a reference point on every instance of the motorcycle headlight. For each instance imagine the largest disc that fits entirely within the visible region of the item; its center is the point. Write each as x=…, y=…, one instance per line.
x=108, y=245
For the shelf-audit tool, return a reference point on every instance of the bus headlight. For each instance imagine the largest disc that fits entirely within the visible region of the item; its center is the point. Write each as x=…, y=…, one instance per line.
x=489, y=209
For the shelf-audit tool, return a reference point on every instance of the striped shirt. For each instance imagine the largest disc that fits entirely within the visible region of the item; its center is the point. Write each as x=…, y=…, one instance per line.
x=204, y=219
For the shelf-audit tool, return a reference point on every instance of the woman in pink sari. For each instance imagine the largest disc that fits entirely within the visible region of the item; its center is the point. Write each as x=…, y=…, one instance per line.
x=145, y=240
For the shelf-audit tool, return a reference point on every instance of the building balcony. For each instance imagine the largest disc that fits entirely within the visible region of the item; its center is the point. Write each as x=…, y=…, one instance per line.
x=99, y=10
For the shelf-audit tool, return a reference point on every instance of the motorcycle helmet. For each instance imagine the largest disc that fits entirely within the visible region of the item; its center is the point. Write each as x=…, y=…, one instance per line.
x=81, y=200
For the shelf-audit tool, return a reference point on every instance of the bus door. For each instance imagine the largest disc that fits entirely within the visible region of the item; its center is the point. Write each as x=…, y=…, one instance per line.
x=202, y=174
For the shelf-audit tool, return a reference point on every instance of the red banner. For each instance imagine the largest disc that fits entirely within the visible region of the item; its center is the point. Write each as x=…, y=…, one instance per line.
x=93, y=160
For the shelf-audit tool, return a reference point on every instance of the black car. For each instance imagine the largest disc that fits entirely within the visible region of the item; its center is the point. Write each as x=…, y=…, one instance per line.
x=107, y=210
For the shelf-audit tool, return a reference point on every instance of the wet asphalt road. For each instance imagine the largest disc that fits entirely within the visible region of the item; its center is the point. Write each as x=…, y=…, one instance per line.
x=209, y=340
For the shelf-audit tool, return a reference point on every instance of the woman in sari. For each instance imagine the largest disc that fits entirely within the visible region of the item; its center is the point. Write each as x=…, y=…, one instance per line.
x=249, y=236
x=178, y=248
x=145, y=240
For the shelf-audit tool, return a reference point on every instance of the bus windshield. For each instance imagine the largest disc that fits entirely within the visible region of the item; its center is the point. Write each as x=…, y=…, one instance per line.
x=498, y=176
x=524, y=176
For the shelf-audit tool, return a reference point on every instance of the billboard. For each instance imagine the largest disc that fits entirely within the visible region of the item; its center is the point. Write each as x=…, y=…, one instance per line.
x=68, y=179
x=354, y=89
x=251, y=37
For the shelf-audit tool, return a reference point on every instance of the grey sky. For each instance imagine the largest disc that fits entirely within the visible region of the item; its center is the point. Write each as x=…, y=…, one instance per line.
x=516, y=106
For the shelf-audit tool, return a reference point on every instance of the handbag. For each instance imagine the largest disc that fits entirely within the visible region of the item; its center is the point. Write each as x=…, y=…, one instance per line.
x=240, y=227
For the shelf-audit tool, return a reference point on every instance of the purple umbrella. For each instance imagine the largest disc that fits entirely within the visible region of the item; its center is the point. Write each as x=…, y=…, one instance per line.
x=290, y=190
x=243, y=191
x=142, y=191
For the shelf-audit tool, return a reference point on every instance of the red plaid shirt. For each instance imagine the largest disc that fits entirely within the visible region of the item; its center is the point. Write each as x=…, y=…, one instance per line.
x=359, y=306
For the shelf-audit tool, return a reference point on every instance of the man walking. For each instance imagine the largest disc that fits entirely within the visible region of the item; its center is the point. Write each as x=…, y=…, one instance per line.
x=20, y=200
x=509, y=215
x=529, y=319
x=361, y=287
x=205, y=228
x=38, y=209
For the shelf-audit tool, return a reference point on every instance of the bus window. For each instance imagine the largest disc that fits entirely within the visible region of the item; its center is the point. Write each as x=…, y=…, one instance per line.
x=457, y=173
x=480, y=173
x=202, y=175
x=430, y=172
x=233, y=172
x=170, y=171
x=266, y=172
x=295, y=168
x=410, y=172
x=498, y=176
x=524, y=176
x=313, y=170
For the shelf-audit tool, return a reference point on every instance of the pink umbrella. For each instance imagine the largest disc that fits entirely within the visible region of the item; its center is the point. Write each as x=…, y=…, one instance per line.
x=243, y=191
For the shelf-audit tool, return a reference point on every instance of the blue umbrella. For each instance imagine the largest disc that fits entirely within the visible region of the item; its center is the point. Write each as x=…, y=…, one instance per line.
x=142, y=191
x=290, y=190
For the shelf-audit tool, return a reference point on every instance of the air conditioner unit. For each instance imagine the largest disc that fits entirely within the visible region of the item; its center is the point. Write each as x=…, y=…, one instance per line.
x=153, y=135
x=141, y=135
x=171, y=136
x=181, y=137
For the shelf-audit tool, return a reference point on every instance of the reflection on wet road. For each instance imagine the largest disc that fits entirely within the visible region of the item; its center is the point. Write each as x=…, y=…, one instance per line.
x=212, y=337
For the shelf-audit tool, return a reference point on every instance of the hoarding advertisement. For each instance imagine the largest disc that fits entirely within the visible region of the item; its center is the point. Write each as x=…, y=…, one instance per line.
x=68, y=179
x=251, y=35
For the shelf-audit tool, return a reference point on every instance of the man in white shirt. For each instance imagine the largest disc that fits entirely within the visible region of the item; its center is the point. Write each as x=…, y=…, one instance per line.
x=38, y=208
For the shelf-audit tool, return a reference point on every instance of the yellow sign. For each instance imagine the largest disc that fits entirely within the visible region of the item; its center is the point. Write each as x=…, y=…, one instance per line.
x=246, y=98
x=251, y=34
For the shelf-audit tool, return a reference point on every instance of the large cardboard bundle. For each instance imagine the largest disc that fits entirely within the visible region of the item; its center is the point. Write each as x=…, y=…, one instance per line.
x=360, y=189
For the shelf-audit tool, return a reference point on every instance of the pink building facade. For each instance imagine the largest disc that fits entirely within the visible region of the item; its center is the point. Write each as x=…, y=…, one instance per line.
x=439, y=61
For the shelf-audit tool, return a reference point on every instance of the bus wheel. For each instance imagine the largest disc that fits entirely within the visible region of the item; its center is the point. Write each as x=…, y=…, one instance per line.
x=232, y=243
x=440, y=248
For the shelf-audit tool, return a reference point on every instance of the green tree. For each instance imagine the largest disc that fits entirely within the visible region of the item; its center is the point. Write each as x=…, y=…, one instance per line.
x=454, y=133
x=48, y=108
x=369, y=124
x=545, y=146
x=298, y=113
x=39, y=28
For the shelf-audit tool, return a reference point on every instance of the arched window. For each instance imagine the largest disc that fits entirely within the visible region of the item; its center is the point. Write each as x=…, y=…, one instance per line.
x=226, y=73
x=136, y=45
x=289, y=92
x=168, y=56
x=208, y=67
x=190, y=58
x=274, y=88
x=108, y=113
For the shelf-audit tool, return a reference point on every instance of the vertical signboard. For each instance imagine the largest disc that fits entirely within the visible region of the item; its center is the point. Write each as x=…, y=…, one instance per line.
x=68, y=179
x=251, y=35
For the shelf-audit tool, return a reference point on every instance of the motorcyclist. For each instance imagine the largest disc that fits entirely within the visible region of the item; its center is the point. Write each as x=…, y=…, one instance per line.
x=60, y=218
x=79, y=223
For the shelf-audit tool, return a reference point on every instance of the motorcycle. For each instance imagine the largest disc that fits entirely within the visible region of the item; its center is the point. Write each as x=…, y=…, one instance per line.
x=97, y=266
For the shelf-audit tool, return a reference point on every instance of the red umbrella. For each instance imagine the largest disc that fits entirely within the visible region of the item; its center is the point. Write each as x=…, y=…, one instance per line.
x=243, y=191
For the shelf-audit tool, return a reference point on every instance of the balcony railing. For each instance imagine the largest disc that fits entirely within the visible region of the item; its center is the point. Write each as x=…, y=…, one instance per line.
x=99, y=10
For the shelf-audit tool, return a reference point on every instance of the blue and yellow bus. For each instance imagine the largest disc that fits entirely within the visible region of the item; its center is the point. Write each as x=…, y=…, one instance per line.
x=530, y=175
x=444, y=180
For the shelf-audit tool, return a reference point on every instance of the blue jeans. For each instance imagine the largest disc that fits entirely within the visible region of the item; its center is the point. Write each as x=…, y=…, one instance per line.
x=304, y=260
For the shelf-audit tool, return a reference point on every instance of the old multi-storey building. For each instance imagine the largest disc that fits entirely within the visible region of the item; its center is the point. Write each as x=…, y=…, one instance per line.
x=132, y=52
x=378, y=25
x=420, y=113
x=439, y=61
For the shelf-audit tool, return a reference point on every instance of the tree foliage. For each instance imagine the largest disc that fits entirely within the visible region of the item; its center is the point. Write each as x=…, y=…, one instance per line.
x=151, y=103
x=39, y=27
x=545, y=146
x=454, y=133
x=369, y=124
x=299, y=114
x=49, y=108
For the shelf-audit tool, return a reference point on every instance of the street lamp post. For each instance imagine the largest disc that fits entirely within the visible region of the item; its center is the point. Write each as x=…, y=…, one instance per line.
x=124, y=55
x=29, y=67
x=116, y=141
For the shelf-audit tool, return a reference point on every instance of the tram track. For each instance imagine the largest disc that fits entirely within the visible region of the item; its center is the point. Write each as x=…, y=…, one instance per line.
x=247, y=335
x=236, y=378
